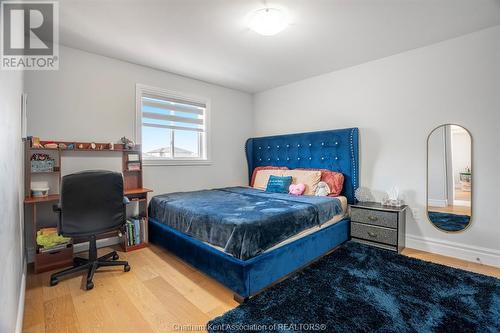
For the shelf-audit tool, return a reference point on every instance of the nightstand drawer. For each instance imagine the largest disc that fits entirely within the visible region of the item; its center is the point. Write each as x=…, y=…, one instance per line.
x=375, y=217
x=373, y=233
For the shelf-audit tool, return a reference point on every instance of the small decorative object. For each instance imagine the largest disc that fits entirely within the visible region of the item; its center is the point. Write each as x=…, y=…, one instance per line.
x=71, y=146
x=50, y=145
x=63, y=146
x=80, y=146
x=93, y=145
x=40, y=189
x=363, y=194
x=322, y=190
x=111, y=146
x=127, y=143
x=35, y=142
x=39, y=157
x=296, y=189
x=465, y=179
x=392, y=198
x=41, y=163
x=100, y=147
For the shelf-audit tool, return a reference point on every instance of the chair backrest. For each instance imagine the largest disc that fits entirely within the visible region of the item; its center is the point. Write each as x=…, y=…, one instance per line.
x=91, y=203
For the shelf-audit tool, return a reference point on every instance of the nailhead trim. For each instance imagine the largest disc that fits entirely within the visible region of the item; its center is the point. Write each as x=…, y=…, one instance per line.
x=335, y=144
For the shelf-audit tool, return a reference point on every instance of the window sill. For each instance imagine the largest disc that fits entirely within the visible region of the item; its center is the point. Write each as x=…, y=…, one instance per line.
x=147, y=163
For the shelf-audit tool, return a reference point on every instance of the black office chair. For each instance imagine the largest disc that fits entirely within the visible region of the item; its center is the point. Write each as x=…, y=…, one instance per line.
x=91, y=204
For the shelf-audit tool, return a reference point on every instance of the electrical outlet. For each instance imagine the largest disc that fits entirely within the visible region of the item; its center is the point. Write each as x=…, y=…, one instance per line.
x=415, y=212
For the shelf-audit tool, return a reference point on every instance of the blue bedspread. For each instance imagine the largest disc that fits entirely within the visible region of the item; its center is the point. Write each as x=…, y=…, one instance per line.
x=243, y=221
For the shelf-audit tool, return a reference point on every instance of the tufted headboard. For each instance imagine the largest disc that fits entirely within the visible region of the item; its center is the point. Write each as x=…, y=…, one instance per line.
x=335, y=150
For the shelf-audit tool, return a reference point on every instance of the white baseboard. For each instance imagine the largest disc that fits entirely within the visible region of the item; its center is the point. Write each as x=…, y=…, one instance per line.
x=475, y=254
x=465, y=203
x=81, y=247
x=438, y=202
x=20, y=306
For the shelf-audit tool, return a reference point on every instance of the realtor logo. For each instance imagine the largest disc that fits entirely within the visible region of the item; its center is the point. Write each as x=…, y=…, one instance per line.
x=30, y=35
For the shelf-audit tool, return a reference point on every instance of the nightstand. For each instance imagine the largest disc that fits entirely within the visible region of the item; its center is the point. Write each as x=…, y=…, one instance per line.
x=378, y=225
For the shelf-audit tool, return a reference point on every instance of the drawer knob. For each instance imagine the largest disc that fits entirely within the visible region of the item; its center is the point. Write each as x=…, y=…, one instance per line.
x=372, y=218
x=372, y=234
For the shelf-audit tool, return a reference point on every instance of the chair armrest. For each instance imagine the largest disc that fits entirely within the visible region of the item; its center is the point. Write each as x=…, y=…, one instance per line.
x=56, y=208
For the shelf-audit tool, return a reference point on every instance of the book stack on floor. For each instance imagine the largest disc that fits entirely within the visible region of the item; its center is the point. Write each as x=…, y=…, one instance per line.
x=135, y=230
x=49, y=240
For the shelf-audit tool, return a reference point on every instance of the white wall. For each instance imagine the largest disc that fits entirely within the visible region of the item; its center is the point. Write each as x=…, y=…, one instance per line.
x=92, y=98
x=396, y=102
x=12, y=263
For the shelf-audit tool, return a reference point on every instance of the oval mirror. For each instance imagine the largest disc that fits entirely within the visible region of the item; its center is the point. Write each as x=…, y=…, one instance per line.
x=449, y=178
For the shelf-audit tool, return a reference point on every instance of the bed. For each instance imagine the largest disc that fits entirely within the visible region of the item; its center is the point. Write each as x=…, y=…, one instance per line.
x=248, y=239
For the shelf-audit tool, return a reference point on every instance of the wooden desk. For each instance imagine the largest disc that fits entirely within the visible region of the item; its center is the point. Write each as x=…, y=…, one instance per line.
x=133, y=189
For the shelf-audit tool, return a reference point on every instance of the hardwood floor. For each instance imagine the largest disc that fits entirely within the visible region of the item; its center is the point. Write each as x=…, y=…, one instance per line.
x=463, y=195
x=159, y=294
x=460, y=210
x=453, y=262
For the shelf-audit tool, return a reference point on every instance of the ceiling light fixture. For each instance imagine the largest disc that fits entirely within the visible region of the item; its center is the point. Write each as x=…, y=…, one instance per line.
x=268, y=21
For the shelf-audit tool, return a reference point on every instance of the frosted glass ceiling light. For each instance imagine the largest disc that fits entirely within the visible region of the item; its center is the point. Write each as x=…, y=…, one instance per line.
x=268, y=21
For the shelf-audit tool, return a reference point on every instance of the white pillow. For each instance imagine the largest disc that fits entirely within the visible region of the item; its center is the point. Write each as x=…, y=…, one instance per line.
x=307, y=177
x=262, y=177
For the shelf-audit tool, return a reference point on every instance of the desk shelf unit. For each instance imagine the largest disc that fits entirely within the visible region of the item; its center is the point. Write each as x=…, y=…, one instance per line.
x=133, y=189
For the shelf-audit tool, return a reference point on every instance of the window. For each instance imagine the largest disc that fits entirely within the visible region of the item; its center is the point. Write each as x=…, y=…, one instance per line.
x=172, y=128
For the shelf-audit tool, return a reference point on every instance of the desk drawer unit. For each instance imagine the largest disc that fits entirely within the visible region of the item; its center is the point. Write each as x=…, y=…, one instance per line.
x=375, y=217
x=375, y=234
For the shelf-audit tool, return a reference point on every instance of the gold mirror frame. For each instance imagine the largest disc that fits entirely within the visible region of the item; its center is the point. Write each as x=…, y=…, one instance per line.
x=427, y=180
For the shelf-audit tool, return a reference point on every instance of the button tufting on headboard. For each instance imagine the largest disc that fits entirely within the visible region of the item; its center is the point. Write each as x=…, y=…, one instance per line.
x=335, y=150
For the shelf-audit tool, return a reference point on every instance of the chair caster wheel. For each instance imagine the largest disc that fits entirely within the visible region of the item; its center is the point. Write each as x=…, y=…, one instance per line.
x=53, y=282
x=116, y=256
x=89, y=285
x=126, y=268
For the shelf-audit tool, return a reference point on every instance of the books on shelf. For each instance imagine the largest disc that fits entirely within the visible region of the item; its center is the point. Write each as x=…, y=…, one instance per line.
x=134, y=166
x=133, y=157
x=135, y=230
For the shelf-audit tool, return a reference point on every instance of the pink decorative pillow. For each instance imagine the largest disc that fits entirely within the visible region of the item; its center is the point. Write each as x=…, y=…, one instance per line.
x=264, y=168
x=334, y=180
x=296, y=189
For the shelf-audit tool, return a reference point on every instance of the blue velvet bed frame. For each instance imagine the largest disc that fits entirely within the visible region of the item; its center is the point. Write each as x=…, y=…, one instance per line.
x=334, y=150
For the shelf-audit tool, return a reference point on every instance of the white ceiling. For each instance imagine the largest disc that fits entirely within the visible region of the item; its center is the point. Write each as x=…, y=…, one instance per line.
x=209, y=40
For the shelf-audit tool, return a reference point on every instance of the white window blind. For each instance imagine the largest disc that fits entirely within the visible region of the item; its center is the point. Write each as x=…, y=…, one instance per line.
x=173, y=128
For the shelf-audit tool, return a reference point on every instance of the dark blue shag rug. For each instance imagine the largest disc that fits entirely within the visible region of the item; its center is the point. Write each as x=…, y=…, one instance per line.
x=449, y=222
x=359, y=288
